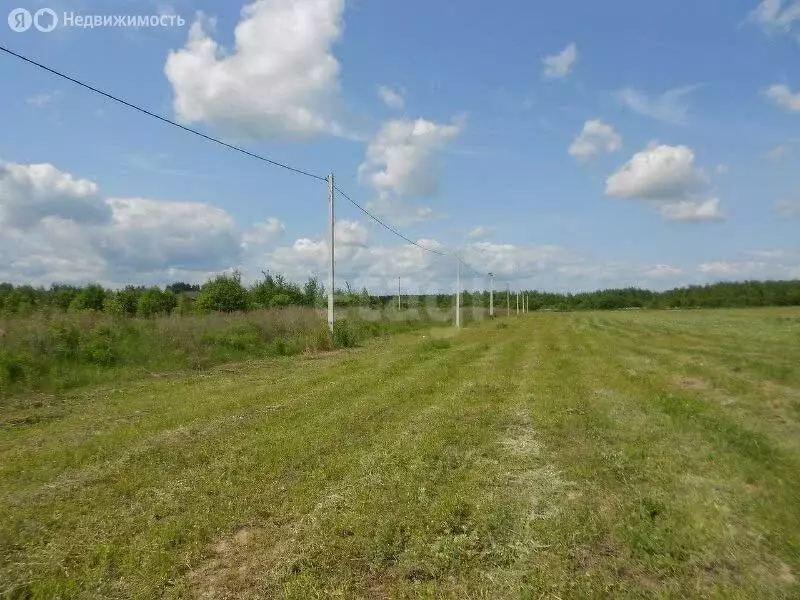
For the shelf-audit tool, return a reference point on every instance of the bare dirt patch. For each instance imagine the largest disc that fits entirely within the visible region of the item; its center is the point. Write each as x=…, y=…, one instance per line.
x=692, y=383
x=785, y=574
x=230, y=571
x=753, y=488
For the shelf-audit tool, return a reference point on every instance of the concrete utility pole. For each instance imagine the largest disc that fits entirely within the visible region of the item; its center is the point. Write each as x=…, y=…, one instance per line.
x=458, y=291
x=491, y=294
x=517, y=303
x=399, y=307
x=508, y=301
x=331, y=240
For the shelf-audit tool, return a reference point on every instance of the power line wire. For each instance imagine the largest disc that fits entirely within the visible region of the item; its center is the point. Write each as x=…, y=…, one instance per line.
x=388, y=227
x=159, y=117
x=217, y=141
x=474, y=271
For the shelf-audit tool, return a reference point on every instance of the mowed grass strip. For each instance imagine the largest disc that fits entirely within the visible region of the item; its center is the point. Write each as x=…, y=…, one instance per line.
x=627, y=454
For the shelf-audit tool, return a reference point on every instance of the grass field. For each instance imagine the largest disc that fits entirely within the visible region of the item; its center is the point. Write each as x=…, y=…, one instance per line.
x=576, y=455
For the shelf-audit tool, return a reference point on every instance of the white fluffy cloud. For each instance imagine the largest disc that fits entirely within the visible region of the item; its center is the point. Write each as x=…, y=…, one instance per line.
x=596, y=138
x=511, y=260
x=667, y=176
x=392, y=98
x=262, y=233
x=57, y=227
x=148, y=241
x=770, y=264
x=29, y=193
x=401, y=164
x=783, y=96
x=480, y=232
x=279, y=81
x=687, y=210
x=777, y=14
x=657, y=173
x=560, y=65
x=730, y=268
x=669, y=107
x=378, y=266
x=150, y=235
x=350, y=233
x=54, y=250
x=664, y=271
x=44, y=99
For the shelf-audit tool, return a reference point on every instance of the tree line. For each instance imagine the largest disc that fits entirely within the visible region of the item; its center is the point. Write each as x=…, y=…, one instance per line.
x=227, y=293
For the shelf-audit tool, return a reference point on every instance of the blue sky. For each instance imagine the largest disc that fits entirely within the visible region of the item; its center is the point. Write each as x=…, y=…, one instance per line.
x=564, y=146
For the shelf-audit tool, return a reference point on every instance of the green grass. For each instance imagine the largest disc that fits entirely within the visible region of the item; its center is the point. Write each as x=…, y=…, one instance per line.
x=578, y=455
x=56, y=351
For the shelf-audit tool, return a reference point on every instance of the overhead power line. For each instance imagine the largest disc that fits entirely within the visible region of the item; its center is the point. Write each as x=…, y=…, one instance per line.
x=474, y=271
x=216, y=141
x=388, y=227
x=157, y=116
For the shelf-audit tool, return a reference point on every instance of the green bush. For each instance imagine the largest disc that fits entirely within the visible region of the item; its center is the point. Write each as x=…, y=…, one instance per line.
x=63, y=296
x=279, y=300
x=98, y=347
x=436, y=344
x=66, y=339
x=155, y=301
x=345, y=334
x=224, y=293
x=122, y=303
x=15, y=368
x=185, y=306
x=91, y=297
x=242, y=336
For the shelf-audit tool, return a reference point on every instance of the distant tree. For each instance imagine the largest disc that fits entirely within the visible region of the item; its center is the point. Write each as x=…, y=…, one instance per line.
x=91, y=297
x=61, y=296
x=122, y=303
x=313, y=292
x=180, y=287
x=224, y=293
x=155, y=301
x=185, y=306
x=280, y=299
x=365, y=299
x=21, y=299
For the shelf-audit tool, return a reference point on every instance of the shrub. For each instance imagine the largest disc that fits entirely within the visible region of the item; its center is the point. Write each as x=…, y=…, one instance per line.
x=242, y=336
x=345, y=334
x=154, y=301
x=18, y=302
x=185, y=306
x=122, y=303
x=98, y=347
x=66, y=339
x=224, y=293
x=279, y=300
x=14, y=368
x=63, y=296
x=91, y=297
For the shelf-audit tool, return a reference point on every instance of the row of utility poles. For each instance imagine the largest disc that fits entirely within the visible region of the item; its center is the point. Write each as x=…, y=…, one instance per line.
x=332, y=281
x=523, y=302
